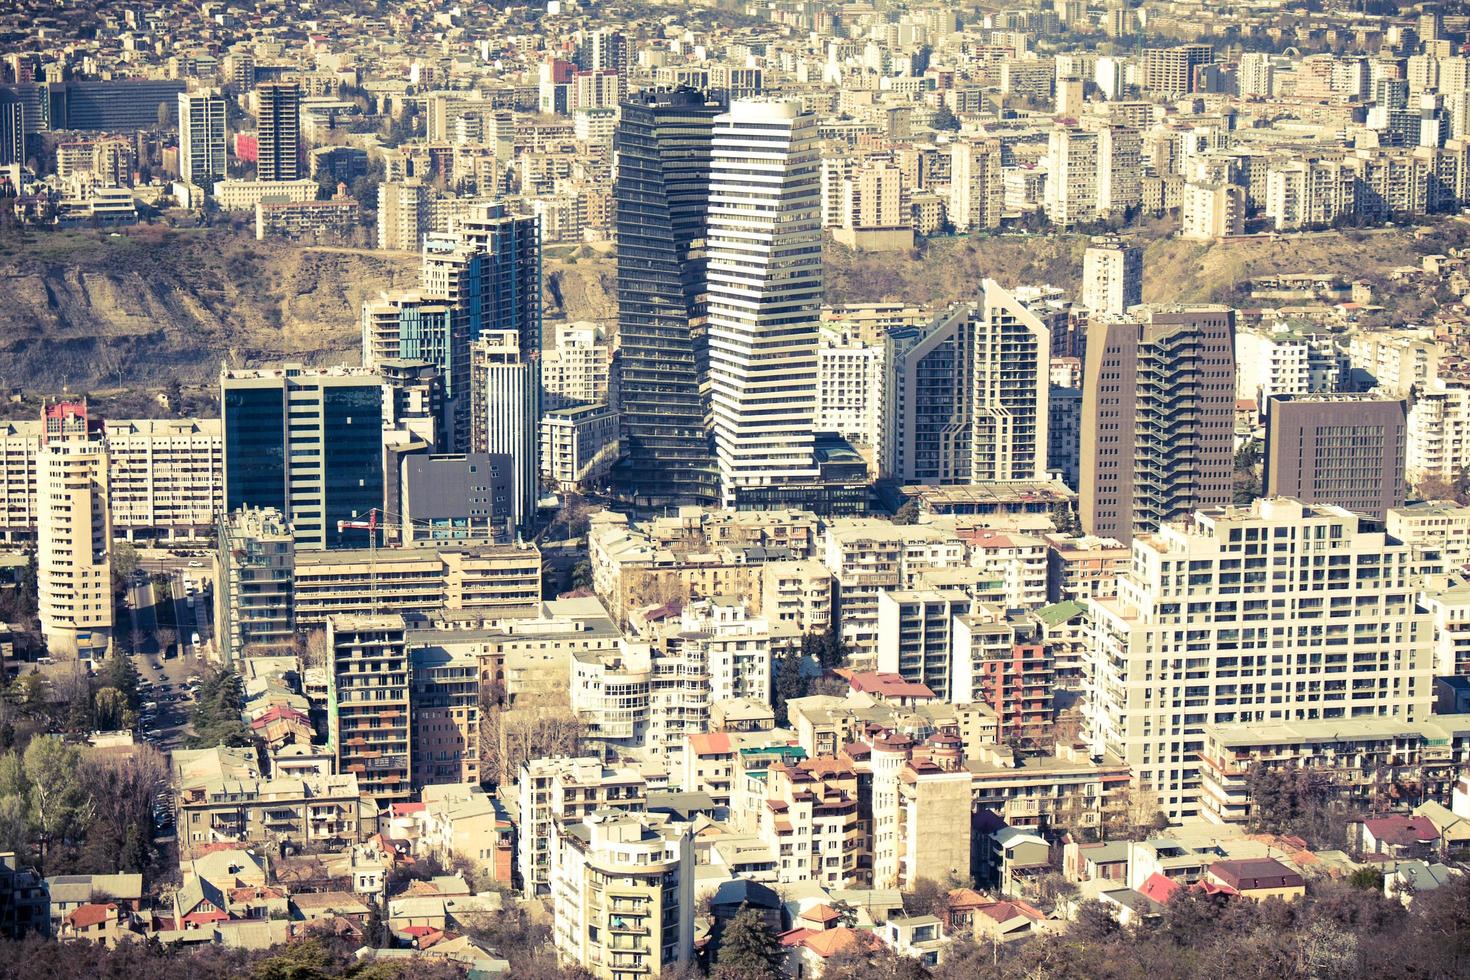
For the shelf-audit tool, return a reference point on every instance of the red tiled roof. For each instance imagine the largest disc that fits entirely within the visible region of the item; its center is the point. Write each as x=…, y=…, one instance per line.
x=86, y=916
x=1160, y=888
x=404, y=809
x=711, y=743
x=886, y=685
x=1253, y=873
x=821, y=913
x=827, y=942
x=1402, y=831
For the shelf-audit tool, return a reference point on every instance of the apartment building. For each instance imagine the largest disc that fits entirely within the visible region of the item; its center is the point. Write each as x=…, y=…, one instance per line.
x=563, y=791
x=202, y=127
x=1434, y=525
x=1002, y=661
x=578, y=444
x=1037, y=791
x=1112, y=275
x=623, y=894
x=257, y=811
x=850, y=374
x=369, y=699
x=254, y=573
x=1285, y=363
x=1395, y=361
x=73, y=535
x=165, y=477
x=976, y=188
x=875, y=210
x=1361, y=759
x=1439, y=432
x=1159, y=417
x=1447, y=600
x=403, y=214
x=1012, y=352
x=812, y=821
x=444, y=689
x=1084, y=567
x=916, y=635
x=867, y=557
x=612, y=695
x=576, y=370
x=1277, y=613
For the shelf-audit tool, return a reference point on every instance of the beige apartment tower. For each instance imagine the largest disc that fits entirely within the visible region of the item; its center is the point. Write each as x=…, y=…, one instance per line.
x=73, y=535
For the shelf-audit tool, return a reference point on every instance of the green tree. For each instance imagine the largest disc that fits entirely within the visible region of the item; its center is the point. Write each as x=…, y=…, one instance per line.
x=945, y=120
x=15, y=824
x=749, y=949
x=110, y=710
x=1064, y=519
x=582, y=575
x=119, y=672
x=31, y=693
x=60, y=807
x=790, y=683
x=124, y=564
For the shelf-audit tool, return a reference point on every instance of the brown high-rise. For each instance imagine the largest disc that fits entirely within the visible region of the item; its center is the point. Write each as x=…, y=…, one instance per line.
x=1158, y=417
x=1341, y=449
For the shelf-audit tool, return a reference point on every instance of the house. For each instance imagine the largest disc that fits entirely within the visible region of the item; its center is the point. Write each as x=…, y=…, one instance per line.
x=1258, y=878
x=1398, y=836
x=739, y=893
x=960, y=906
x=1091, y=862
x=258, y=902
x=916, y=936
x=67, y=892
x=1454, y=831
x=807, y=950
x=1013, y=858
x=107, y=923
x=464, y=821
x=1410, y=879
x=321, y=905
x=199, y=904
x=1006, y=921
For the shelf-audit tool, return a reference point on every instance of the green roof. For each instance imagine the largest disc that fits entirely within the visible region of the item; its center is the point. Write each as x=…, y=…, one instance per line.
x=1060, y=612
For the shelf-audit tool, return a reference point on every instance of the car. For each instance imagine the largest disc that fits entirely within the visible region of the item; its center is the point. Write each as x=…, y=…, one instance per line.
x=196, y=564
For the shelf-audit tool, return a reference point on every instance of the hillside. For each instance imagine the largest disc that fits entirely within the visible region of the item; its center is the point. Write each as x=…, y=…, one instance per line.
x=87, y=309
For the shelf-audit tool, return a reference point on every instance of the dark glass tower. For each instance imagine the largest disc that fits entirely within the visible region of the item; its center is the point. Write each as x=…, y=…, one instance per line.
x=661, y=196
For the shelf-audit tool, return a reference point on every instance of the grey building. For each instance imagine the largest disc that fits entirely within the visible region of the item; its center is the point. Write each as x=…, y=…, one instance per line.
x=463, y=496
x=1342, y=449
x=254, y=575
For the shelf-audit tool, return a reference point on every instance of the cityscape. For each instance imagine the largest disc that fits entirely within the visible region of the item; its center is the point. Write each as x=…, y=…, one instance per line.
x=800, y=489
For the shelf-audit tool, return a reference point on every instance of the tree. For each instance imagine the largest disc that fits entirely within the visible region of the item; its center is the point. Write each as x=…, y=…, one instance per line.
x=119, y=672
x=110, y=711
x=945, y=120
x=124, y=560
x=791, y=682
x=907, y=514
x=60, y=807
x=1064, y=519
x=749, y=948
x=582, y=575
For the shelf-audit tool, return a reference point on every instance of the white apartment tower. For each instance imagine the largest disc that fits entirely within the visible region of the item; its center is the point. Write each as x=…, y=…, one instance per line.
x=505, y=414
x=1012, y=381
x=201, y=136
x=73, y=535
x=765, y=293
x=1275, y=613
x=1112, y=275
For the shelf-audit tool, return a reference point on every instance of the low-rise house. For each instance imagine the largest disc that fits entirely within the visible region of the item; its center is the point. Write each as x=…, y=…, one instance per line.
x=808, y=950
x=1011, y=858
x=1008, y=920
x=68, y=892
x=1259, y=879
x=326, y=905
x=1398, y=836
x=466, y=822
x=1454, y=831
x=918, y=937
x=199, y=904
x=107, y=923
x=1410, y=879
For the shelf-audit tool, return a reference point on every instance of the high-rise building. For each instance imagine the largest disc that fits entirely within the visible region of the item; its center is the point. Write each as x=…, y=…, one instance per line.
x=623, y=894
x=662, y=147
x=1072, y=176
x=1277, y=613
x=201, y=136
x=1012, y=381
x=254, y=571
x=1343, y=450
x=278, y=131
x=563, y=791
x=1158, y=417
x=369, y=702
x=1112, y=275
x=928, y=395
x=1439, y=432
x=1170, y=71
x=12, y=130
x=976, y=191
x=505, y=413
x=406, y=326
x=307, y=442
x=73, y=534
x=403, y=214
x=765, y=294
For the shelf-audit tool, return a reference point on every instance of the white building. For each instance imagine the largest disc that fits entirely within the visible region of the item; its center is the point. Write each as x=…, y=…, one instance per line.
x=1434, y=525
x=1439, y=433
x=623, y=894
x=504, y=397
x=976, y=188
x=564, y=790
x=765, y=293
x=1012, y=377
x=850, y=388
x=1112, y=275
x=1395, y=360
x=403, y=214
x=1279, y=612
x=74, y=535
x=201, y=137
x=575, y=371
x=1269, y=363
x=578, y=444
x=1211, y=210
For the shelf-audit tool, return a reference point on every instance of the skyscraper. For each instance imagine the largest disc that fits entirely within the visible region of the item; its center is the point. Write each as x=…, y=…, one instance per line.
x=662, y=146
x=308, y=442
x=1012, y=363
x=505, y=414
x=1158, y=417
x=201, y=136
x=765, y=294
x=12, y=130
x=1112, y=275
x=278, y=131
x=73, y=534
x=406, y=326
